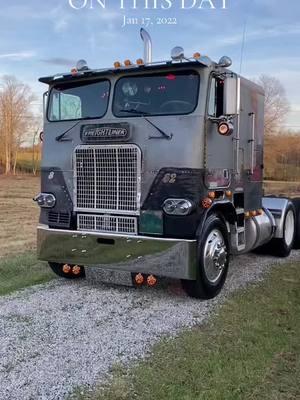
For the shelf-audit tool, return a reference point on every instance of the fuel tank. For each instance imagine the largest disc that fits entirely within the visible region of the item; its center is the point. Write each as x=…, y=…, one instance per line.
x=259, y=230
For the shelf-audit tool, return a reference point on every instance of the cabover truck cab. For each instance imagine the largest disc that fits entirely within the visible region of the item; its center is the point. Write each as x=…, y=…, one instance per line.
x=156, y=169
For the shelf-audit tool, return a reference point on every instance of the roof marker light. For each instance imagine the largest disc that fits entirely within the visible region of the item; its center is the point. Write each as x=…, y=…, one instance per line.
x=82, y=65
x=74, y=71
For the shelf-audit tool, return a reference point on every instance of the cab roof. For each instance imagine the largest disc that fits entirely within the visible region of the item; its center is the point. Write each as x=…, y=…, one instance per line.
x=86, y=73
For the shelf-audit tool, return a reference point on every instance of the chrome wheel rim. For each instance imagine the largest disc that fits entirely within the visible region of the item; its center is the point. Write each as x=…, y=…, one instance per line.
x=289, y=228
x=215, y=256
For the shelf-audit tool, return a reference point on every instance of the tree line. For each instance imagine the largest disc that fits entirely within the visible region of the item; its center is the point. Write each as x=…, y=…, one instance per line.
x=17, y=121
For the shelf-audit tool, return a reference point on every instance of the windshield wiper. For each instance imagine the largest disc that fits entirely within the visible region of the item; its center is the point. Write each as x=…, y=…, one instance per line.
x=143, y=114
x=164, y=134
x=60, y=137
x=133, y=111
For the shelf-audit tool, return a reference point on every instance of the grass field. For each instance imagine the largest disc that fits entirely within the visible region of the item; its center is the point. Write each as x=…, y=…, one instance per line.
x=19, y=267
x=242, y=354
x=19, y=272
x=18, y=214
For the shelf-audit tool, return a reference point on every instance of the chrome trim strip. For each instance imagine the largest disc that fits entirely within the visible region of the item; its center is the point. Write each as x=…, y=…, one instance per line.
x=114, y=235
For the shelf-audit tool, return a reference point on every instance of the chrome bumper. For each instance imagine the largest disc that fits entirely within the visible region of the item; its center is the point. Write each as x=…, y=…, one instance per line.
x=173, y=258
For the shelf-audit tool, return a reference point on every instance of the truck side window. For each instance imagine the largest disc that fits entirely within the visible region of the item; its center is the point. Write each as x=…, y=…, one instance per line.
x=215, y=106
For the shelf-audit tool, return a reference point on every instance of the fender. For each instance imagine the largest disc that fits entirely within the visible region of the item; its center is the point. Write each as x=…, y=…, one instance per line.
x=224, y=209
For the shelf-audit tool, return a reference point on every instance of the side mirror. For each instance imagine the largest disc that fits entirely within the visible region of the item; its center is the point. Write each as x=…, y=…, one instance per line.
x=45, y=99
x=232, y=85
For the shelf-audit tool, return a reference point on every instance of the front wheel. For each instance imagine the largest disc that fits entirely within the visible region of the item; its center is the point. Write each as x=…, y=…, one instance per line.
x=213, y=260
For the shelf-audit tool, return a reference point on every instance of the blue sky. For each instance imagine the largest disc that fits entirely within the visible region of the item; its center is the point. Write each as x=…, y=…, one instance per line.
x=43, y=37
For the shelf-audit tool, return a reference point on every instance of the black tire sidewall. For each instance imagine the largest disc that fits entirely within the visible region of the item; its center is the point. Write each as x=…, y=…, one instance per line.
x=296, y=203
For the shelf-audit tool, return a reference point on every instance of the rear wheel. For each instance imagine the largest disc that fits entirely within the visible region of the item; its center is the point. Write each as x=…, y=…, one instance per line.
x=296, y=203
x=213, y=261
x=282, y=247
x=73, y=272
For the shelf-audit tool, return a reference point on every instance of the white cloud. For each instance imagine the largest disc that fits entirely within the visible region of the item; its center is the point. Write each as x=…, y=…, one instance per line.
x=18, y=56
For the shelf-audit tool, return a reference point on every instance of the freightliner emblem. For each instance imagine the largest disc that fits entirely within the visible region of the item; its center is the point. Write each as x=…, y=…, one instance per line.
x=98, y=133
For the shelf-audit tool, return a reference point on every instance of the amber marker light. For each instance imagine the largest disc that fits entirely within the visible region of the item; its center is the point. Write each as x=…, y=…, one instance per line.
x=140, y=62
x=127, y=63
x=228, y=193
x=212, y=195
x=225, y=128
x=196, y=56
x=247, y=214
x=253, y=213
x=207, y=202
x=76, y=270
x=117, y=64
x=66, y=268
x=74, y=71
x=139, y=279
x=151, y=280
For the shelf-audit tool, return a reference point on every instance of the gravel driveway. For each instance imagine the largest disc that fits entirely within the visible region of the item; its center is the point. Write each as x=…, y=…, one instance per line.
x=62, y=335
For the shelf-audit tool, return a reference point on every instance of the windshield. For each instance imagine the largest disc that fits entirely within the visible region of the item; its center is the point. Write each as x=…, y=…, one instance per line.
x=157, y=94
x=81, y=100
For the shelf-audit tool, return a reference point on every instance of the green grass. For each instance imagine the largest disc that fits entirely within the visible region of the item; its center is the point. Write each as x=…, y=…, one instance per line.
x=249, y=351
x=22, y=271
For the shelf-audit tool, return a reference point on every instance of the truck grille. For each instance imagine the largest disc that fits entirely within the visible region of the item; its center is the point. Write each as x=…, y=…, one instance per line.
x=107, y=223
x=107, y=178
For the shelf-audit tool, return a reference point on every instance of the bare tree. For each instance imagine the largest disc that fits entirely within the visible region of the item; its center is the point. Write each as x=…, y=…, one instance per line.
x=15, y=119
x=36, y=144
x=276, y=103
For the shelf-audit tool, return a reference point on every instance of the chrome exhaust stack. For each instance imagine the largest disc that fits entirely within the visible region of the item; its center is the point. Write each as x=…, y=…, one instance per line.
x=147, y=46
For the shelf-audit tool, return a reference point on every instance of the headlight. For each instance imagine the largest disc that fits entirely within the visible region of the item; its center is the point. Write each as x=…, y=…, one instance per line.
x=45, y=200
x=177, y=207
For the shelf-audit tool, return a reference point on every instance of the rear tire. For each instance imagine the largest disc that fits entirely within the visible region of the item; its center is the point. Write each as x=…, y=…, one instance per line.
x=281, y=247
x=58, y=270
x=213, y=260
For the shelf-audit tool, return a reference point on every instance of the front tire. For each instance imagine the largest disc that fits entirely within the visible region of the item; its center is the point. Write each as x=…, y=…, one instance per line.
x=213, y=260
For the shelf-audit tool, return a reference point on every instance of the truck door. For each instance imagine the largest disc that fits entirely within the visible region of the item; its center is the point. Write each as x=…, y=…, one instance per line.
x=219, y=160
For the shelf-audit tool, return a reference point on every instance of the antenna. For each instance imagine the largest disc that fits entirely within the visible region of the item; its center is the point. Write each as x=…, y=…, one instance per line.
x=243, y=44
x=244, y=35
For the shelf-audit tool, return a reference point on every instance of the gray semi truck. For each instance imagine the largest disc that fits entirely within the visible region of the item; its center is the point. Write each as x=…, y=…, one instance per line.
x=156, y=168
